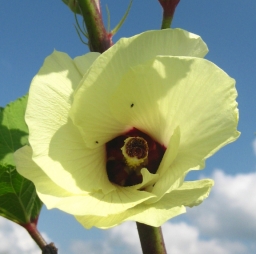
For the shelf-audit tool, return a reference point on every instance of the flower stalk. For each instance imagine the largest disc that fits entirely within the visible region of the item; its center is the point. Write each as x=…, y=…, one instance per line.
x=99, y=39
x=169, y=7
x=151, y=239
x=31, y=228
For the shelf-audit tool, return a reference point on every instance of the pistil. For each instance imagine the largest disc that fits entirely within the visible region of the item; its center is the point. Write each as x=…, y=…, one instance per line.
x=135, y=152
x=128, y=153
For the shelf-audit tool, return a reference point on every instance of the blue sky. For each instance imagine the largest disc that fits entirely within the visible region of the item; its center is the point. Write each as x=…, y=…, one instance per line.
x=30, y=30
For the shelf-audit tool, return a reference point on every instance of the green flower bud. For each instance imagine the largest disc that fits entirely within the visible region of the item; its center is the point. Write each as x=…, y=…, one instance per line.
x=73, y=5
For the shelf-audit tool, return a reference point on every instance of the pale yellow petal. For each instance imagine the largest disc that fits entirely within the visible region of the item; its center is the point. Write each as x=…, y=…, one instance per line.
x=171, y=205
x=191, y=93
x=77, y=165
x=100, y=204
x=94, y=119
x=49, y=102
x=84, y=62
x=190, y=193
x=28, y=168
x=148, y=179
x=169, y=179
x=53, y=196
x=148, y=215
x=141, y=99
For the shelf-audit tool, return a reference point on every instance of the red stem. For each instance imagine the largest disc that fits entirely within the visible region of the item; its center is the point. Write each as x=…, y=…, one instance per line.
x=31, y=227
x=99, y=39
x=169, y=7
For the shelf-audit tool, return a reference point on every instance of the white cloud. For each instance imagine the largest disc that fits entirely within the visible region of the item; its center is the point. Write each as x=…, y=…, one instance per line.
x=229, y=212
x=126, y=235
x=121, y=239
x=182, y=238
x=179, y=238
x=92, y=247
x=15, y=239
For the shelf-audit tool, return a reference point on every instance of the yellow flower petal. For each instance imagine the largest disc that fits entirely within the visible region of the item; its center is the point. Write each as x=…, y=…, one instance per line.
x=145, y=214
x=97, y=203
x=171, y=205
x=49, y=102
x=85, y=168
x=28, y=168
x=190, y=193
x=94, y=119
x=169, y=91
x=83, y=63
x=148, y=179
x=167, y=179
x=141, y=100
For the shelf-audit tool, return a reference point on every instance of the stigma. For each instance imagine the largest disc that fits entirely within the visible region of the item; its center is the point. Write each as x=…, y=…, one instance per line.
x=128, y=153
x=135, y=152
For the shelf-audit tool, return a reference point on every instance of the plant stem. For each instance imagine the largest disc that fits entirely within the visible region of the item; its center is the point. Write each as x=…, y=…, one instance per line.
x=151, y=239
x=35, y=234
x=166, y=22
x=99, y=39
x=169, y=7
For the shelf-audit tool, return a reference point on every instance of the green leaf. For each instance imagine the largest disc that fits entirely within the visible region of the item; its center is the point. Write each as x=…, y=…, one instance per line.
x=13, y=130
x=18, y=199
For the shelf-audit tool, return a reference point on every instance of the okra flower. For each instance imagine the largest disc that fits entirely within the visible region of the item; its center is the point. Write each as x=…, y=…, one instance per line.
x=113, y=136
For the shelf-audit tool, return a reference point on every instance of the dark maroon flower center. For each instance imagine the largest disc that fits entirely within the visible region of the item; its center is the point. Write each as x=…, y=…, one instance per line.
x=127, y=154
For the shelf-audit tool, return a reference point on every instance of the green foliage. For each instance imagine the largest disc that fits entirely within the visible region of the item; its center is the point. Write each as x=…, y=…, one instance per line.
x=13, y=130
x=18, y=199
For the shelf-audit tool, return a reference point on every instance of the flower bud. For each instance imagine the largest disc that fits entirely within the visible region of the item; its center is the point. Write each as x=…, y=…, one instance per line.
x=73, y=6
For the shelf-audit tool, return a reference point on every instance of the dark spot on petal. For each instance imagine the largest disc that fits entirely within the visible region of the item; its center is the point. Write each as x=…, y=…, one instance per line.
x=97, y=142
x=132, y=105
